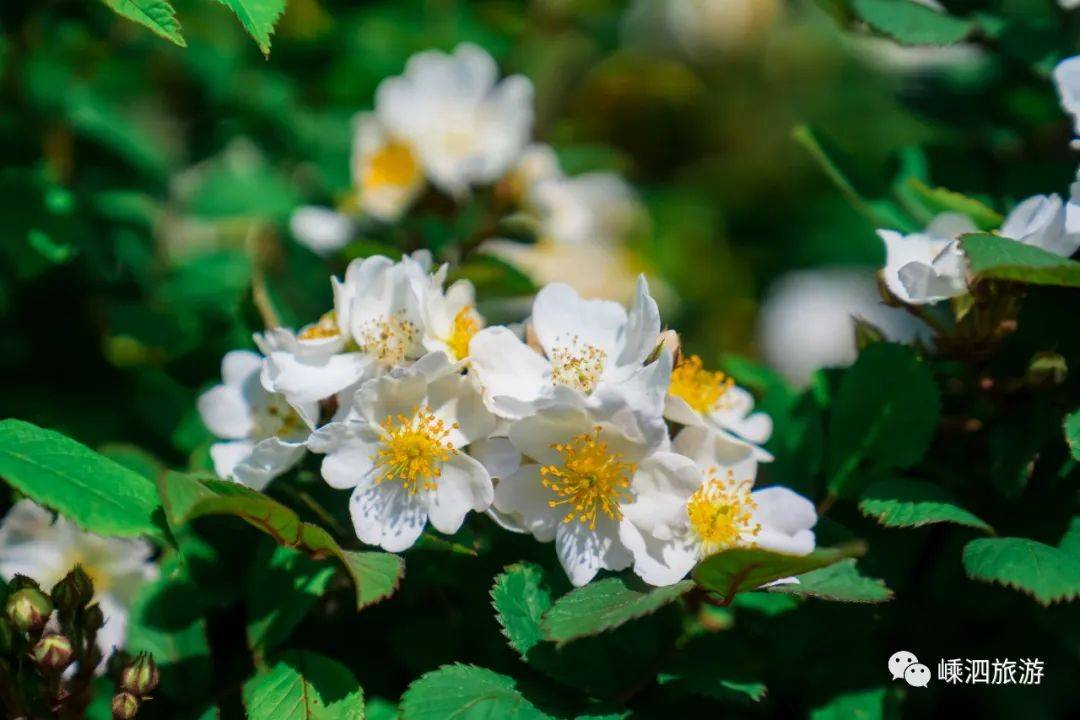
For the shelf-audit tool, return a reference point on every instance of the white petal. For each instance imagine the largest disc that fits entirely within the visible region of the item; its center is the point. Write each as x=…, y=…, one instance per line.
x=786, y=520
x=662, y=485
x=310, y=379
x=924, y=284
x=1067, y=81
x=523, y=497
x=456, y=399
x=227, y=455
x=535, y=436
x=321, y=230
x=583, y=552
x=710, y=448
x=463, y=486
x=657, y=562
x=497, y=454
x=238, y=366
x=642, y=328
x=385, y=514
x=268, y=459
x=507, y=368
x=561, y=318
x=225, y=412
x=350, y=448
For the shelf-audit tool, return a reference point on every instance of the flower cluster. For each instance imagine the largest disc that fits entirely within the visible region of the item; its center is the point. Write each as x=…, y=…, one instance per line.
x=584, y=425
x=927, y=267
x=449, y=126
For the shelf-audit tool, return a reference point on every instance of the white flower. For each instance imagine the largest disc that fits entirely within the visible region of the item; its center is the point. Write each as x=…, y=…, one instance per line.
x=400, y=451
x=450, y=319
x=588, y=346
x=385, y=170
x=537, y=163
x=698, y=396
x=33, y=544
x=1047, y=222
x=698, y=501
x=465, y=127
x=806, y=322
x=581, y=474
x=1067, y=81
x=594, y=208
x=321, y=230
x=927, y=267
x=263, y=434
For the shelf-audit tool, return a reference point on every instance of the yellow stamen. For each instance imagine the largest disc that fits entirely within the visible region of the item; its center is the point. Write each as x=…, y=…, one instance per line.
x=394, y=165
x=721, y=511
x=466, y=324
x=577, y=365
x=413, y=449
x=387, y=338
x=592, y=479
x=700, y=388
x=326, y=327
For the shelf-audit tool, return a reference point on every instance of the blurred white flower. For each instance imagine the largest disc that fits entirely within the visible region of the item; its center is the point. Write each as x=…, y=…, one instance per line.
x=321, y=230
x=701, y=397
x=927, y=267
x=452, y=114
x=698, y=501
x=700, y=28
x=1047, y=222
x=806, y=320
x=594, y=208
x=400, y=451
x=32, y=543
x=386, y=170
x=581, y=473
x=263, y=434
x=586, y=346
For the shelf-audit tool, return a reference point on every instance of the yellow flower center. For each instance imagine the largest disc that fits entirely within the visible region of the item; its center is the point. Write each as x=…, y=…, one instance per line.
x=413, y=449
x=591, y=480
x=326, y=327
x=721, y=512
x=577, y=365
x=392, y=165
x=388, y=338
x=276, y=418
x=700, y=388
x=466, y=324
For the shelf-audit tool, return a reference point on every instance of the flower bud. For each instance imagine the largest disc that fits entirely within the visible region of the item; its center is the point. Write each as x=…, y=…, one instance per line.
x=52, y=652
x=124, y=706
x=93, y=618
x=141, y=676
x=74, y=591
x=18, y=582
x=29, y=609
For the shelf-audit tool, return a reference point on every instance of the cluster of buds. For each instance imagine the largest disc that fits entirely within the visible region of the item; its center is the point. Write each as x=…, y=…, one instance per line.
x=136, y=679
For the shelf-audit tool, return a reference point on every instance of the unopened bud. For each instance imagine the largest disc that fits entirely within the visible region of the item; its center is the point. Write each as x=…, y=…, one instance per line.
x=117, y=662
x=74, y=591
x=141, y=676
x=124, y=706
x=93, y=618
x=53, y=652
x=29, y=609
x=18, y=582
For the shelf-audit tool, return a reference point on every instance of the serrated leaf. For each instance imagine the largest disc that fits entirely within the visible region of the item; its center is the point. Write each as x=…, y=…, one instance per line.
x=884, y=415
x=99, y=495
x=740, y=569
x=841, y=582
x=1047, y=573
x=375, y=575
x=992, y=257
x=304, y=686
x=258, y=18
x=604, y=605
x=1072, y=433
x=467, y=692
x=909, y=503
x=938, y=200
x=911, y=23
x=520, y=600
x=284, y=586
x=158, y=15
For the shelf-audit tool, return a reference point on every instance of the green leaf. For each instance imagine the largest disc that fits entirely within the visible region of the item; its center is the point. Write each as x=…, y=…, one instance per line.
x=911, y=23
x=304, y=686
x=99, y=495
x=520, y=600
x=285, y=585
x=166, y=622
x=1047, y=573
x=606, y=604
x=859, y=705
x=884, y=415
x=741, y=569
x=841, y=582
x=938, y=200
x=158, y=15
x=467, y=692
x=258, y=18
x=718, y=667
x=992, y=257
x=1072, y=433
x=133, y=458
x=375, y=575
x=908, y=503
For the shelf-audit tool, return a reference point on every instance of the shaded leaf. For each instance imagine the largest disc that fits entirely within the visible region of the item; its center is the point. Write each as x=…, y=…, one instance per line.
x=467, y=692
x=859, y=705
x=285, y=584
x=909, y=503
x=1047, y=573
x=1072, y=433
x=606, y=604
x=939, y=200
x=740, y=569
x=841, y=582
x=158, y=15
x=911, y=23
x=993, y=257
x=258, y=18
x=304, y=686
